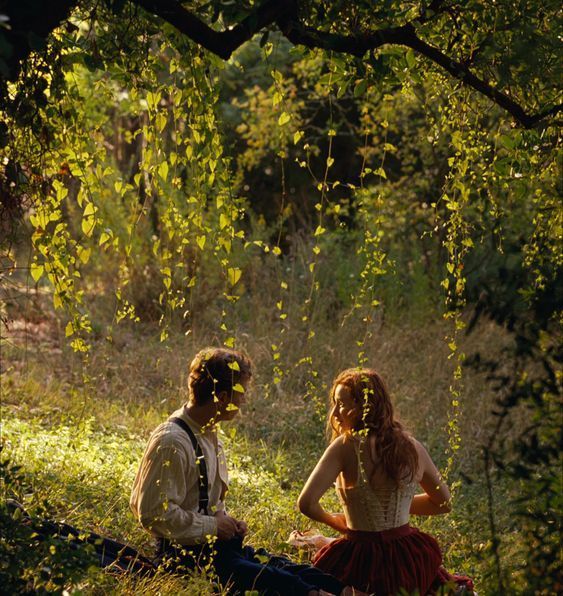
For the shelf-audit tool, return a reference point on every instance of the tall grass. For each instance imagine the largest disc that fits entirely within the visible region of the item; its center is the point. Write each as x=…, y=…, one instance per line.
x=78, y=428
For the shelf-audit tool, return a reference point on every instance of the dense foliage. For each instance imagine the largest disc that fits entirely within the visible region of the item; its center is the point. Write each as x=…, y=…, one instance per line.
x=361, y=165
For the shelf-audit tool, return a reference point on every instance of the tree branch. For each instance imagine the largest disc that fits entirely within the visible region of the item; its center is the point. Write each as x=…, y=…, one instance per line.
x=27, y=21
x=223, y=43
x=284, y=15
x=356, y=45
x=406, y=36
x=464, y=74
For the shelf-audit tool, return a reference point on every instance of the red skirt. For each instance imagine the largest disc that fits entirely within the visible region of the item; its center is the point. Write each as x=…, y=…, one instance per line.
x=384, y=562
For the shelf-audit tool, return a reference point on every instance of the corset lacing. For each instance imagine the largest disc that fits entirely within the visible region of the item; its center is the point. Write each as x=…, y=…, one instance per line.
x=373, y=509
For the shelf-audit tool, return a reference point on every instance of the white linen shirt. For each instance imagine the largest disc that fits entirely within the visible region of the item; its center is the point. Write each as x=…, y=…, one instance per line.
x=165, y=495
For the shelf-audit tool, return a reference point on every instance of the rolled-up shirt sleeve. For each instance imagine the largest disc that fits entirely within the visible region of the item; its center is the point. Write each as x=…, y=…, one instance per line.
x=167, y=473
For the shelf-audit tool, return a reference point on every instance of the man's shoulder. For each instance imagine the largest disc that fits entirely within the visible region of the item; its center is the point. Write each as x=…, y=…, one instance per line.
x=170, y=434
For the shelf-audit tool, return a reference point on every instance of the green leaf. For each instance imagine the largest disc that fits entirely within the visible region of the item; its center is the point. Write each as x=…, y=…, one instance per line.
x=233, y=275
x=284, y=118
x=153, y=99
x=381, y=172
x=507, y=141
x=277, y=76
x=88, y=224
x=84, y=254
x=161, y=120
x=360, y=88
x=342, y=89
x=104, y=237
x=89, y=210
x=36, y=271
x=163, y=170
x=238, y=387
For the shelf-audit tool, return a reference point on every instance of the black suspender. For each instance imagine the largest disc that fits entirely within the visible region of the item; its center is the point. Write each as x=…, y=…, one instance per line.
x=203, y=481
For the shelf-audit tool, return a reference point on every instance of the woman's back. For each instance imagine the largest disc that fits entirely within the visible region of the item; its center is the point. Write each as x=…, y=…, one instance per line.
x=370, y=499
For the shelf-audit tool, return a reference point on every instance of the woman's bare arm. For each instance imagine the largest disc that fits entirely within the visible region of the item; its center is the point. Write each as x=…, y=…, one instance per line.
x=320, y=480
x=436, y=497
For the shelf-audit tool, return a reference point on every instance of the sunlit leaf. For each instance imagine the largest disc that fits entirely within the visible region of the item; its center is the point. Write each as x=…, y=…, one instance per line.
x=163, y=170
x=36, y=271
x=233, y=275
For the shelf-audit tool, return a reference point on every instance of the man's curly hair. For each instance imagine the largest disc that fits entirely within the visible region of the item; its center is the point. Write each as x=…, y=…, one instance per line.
x=214, y=370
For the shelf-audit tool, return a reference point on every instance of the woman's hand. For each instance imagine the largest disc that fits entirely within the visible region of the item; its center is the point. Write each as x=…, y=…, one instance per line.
x=339, y=522
x=436, y=497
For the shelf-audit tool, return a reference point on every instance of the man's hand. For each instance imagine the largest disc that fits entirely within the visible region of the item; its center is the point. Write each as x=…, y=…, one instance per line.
x=242, y=528
x=227, y=526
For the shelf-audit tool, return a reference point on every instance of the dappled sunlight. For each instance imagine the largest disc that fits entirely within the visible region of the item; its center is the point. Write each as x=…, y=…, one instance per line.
x=320, y=186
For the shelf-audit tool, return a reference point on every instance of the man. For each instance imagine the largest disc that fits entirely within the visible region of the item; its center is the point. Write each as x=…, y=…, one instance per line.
x=178, y=493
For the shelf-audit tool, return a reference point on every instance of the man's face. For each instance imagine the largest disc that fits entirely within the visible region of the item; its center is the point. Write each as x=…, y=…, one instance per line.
x=229, y=405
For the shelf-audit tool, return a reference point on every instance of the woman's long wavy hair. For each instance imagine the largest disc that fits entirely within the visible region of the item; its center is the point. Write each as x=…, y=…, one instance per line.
x=395, y=453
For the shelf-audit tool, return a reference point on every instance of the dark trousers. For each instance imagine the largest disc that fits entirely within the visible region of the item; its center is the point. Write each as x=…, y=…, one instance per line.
x=241, y=568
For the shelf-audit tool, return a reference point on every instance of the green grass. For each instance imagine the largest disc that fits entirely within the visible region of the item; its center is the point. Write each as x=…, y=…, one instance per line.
x=79, y=433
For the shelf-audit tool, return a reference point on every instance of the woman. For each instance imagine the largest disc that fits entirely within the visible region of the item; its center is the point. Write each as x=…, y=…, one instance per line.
x=377, y=467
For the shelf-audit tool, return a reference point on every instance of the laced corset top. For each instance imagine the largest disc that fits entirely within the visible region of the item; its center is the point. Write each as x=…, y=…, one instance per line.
x=373, y=509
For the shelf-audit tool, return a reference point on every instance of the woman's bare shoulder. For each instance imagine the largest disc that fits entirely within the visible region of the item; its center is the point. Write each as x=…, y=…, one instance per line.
x=422, y=455
x=420, y=448
x=344, y=444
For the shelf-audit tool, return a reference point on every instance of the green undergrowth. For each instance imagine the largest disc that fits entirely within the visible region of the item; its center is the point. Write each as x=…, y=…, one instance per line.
x=82, y=475
x=78, y=434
